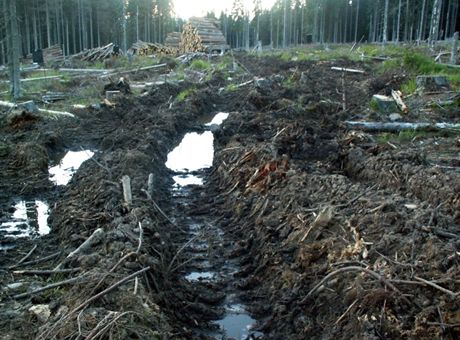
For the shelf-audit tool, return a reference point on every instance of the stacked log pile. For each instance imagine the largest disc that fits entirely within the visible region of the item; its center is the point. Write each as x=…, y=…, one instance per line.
x=53, y=54
x=173, y=40
x=147, y=48
x=190, y=40
x=202, y=35
x=98, y=53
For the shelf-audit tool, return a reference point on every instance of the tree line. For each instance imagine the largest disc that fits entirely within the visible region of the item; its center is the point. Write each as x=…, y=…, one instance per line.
x=293, y=22
x=76, y=25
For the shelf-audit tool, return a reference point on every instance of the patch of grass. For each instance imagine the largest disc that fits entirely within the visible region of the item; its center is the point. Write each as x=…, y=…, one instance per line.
x=184, y=94
x=231, y=88
x=409, y=87
x=200, y=65
x=407, y=136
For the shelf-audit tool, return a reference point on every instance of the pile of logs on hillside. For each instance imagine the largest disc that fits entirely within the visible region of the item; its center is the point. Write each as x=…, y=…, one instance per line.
x=148, y=48
x=99, y=53
x=202, y=35
x=173, y=40
x=53, y=54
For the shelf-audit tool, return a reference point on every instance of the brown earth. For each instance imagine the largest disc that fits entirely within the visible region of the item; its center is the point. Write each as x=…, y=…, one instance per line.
x=301, y=200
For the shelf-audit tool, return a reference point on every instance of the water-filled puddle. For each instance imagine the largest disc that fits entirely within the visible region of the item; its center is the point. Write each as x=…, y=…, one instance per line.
x=30, y=219
x=183, y=180
x=195, y=152
x=237, y=326
x=218, y=119
x=62, y=174
x=200, y=276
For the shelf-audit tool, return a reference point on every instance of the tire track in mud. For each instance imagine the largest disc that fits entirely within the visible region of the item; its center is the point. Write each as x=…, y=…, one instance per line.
x=206, y=248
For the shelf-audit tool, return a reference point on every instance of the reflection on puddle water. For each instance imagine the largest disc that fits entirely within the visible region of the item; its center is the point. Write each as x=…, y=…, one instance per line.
x=200, y=276
x=218, y=119
x=62, y=173
x=237, y=326
x=195, y=152
x=30, y=219
x=184, y=180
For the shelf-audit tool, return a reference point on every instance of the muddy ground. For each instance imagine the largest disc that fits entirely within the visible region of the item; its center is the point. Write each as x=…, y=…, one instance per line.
x=329, y=233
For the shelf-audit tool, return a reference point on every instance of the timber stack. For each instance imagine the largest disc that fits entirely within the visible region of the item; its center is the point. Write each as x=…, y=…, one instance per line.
x=173, y=40
x=148, y=48
x=53, y=54
x=98, y=53
x=202, y=35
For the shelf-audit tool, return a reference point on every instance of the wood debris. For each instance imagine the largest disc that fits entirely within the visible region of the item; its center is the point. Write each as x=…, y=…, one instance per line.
x=98, y=53
x=202, y=35
x=148, y=48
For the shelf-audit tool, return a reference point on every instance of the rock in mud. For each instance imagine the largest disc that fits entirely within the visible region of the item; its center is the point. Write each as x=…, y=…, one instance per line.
x=41, y=312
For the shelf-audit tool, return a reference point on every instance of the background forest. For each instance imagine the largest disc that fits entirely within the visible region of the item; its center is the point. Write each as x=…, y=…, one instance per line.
x=81, y=24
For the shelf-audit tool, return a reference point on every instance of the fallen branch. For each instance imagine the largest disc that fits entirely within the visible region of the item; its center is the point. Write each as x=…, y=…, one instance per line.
x=349, y=70
x=438, y=287
x=45, y=272
x=94, y=238
x=397, y=97
x=43, y=259
x=108, y=290
x=351, y=269
x=46, y=334
x=157, y=207
x=24, y=258
x=51, y=286
x=399, y=126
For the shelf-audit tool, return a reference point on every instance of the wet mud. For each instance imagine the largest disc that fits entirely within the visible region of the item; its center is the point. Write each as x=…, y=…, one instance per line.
x=272, y=221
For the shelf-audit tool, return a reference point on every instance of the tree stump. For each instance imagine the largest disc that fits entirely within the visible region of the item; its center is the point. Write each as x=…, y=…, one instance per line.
x=432, y=84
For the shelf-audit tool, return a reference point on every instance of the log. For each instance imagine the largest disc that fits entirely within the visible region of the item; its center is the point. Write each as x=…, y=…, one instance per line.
x=27, y=80
x=350, y=70
x=398, y=126
x=397, y=97
x=94, y=238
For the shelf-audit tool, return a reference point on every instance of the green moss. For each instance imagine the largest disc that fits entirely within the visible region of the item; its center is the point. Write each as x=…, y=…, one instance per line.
x=409, y=87
x=231, y=88
x=200, y=65
x=184, y=94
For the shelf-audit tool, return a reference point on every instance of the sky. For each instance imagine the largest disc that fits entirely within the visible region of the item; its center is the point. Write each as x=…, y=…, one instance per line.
x=189, y=8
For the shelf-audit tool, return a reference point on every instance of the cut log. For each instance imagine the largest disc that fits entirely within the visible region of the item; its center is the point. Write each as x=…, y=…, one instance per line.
x=399, y=126
x=349, y=70
x=397, y=97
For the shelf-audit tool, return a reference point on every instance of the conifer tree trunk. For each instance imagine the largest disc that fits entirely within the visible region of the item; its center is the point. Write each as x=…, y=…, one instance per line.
x=385, y=23
x=14, y=39
x=421, y=33
x=399, y=22
x=285, y=25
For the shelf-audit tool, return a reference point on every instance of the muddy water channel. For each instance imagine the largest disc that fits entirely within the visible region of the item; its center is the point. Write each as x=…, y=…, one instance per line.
x=206, y=241
x=28, y=217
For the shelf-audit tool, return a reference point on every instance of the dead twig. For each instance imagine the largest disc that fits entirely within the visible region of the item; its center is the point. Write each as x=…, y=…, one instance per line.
x=124, y=258
x=46, y=272
x=94, y=238
x=24, y=258
x=346, y=312
x=43, y=259
x=80, y=278
x=438, y=287
x=359, y=269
